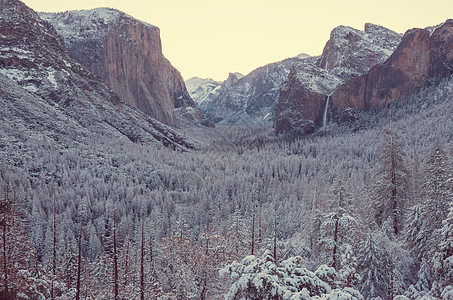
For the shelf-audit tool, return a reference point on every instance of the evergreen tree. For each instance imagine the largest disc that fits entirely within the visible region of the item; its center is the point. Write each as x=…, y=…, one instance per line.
x=437, y=188
x=238, y=232
x=182, y=228
x=6, y=216
x=337, y=224
x=314, y=220
x=425, y=221
x=348, y=271
x=443, y=260
x=399, y=261
x=390, y=189
x=257, y=278
x=20, y=269
x=372, y=266
x=416, y=241
x=414, y=238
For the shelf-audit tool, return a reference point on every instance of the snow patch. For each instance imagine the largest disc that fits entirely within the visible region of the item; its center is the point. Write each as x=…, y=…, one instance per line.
x=434, y=28
x=31, y=88
x=51, y=78
x=316, y=79
x=15, y=74
x=17, y=50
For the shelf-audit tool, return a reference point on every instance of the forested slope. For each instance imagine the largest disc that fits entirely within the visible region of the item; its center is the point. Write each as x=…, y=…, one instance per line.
x=197, y=209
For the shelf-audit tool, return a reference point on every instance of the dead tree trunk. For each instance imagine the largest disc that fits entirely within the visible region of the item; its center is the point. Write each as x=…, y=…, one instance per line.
x=142, y=264
x=79, y=264
x=115, y=262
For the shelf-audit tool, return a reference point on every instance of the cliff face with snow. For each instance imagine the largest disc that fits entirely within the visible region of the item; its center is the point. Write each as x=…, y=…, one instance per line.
x=244, y=99
x=44, y=92
x=422, y=58
x=127, y=55
x=348, y=53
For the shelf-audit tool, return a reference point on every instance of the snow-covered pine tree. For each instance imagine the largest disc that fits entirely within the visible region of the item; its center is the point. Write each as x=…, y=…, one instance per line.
x=337, y=224
x=238, y=233
x=399, y=261
x=314, y=219
x=348, y=272
x=6, y=215
x=79, y=264
x=414, y=225
x=438, y=189
x=416, y=241
x=443, y=261
x=182, y=228
x=389, y=193
x=373, y=267
x=425, y=220
x=20, y=270
x=260, y=278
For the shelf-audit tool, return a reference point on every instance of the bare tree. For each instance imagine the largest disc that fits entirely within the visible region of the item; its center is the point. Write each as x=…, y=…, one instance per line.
x=79, y=263
x=115, y=261
x=6, y=212
x=142, y=263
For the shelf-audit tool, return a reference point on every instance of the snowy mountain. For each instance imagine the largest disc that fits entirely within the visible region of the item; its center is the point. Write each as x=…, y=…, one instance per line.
x=202, y=90
x=348, y=53
x=45, y=93
x=244, y=99
x=127, y=55
x=423, y=58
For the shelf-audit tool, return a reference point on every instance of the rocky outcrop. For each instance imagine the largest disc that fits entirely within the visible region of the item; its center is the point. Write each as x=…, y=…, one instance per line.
x=348, y=53
x=45, y=92
x=127, y=55
x=422, y=57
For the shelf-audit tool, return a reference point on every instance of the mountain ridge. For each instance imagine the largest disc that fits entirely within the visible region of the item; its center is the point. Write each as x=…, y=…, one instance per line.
x=249, y=99
x=37, y=66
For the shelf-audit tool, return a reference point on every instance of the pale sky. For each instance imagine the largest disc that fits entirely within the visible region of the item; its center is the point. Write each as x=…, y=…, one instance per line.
x=210, y=38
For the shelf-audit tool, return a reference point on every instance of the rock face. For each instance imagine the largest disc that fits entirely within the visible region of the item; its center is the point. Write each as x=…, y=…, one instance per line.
x=127, y=55
x=43, y=91
x=422, y=57
x=348, y=53
x=246, y=99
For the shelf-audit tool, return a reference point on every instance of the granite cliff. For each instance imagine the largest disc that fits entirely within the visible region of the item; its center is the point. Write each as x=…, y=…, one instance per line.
x=348, y=54
x=422, y=58
x=127, y=55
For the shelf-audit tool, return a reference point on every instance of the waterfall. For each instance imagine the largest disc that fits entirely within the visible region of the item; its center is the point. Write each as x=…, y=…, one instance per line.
x=324, y=118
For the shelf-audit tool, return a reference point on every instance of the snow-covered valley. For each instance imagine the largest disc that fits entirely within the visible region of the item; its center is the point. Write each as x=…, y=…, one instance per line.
x=99, y=200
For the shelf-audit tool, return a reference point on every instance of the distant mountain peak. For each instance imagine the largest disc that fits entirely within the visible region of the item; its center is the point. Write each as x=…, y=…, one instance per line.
x=232, y=79
x=303, y=56
x=243, y=99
